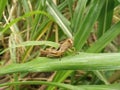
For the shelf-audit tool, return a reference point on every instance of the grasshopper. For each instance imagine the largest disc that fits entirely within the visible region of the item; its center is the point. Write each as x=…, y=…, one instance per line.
x=49, y=52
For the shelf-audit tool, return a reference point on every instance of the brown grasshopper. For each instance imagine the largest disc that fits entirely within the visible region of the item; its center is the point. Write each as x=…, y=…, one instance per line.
x=49, y=52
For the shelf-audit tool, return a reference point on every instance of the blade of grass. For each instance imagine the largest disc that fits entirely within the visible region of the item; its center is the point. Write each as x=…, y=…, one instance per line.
x=66, y=86
x=59, y=18
x=83, y=32
x=62, y=5
x=2, y=6
x=105, y=39
x=70, y=3
x=83, y=61
x=32, y=43
x=25, y=6
x=78, y=15
x=105, y=18
x=59, y=77
x=101, y=77
x=101, y=87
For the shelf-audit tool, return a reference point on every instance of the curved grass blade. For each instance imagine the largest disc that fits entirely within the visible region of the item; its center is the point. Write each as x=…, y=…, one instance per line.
x=83, y=61
x=32, y=43
x=24, y=16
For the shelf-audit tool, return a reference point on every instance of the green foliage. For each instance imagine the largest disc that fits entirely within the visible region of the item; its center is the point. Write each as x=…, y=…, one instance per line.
x=87, y=24
x=82, y=61
x=105, y=18
x=2, y=7
x=105, y=39
x=27, y=26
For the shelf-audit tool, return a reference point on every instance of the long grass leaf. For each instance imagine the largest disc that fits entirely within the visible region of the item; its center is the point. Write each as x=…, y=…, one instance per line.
x=83, y=61
x=32, y=43
x=66, y=86
x=60, y=76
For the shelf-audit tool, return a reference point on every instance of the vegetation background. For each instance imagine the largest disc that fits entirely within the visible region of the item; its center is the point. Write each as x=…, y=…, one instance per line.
x=29, y=26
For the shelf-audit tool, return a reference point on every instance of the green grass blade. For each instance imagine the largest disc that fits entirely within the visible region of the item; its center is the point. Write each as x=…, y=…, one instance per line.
x=101, y=87
x=101, y=77
x=105, y=18
x=25, y=6
x=59, y=18
x=105, y=39
x=87, y=25
x=2, y=6
x=78, y=15
x=82, y=61
x=70, y=7
x=66, y=86
x=60, y=77
x=32, y=43
x=62, y=5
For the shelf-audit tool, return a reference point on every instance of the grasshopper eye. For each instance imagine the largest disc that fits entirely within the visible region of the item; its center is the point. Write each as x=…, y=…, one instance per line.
x=70, y=41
